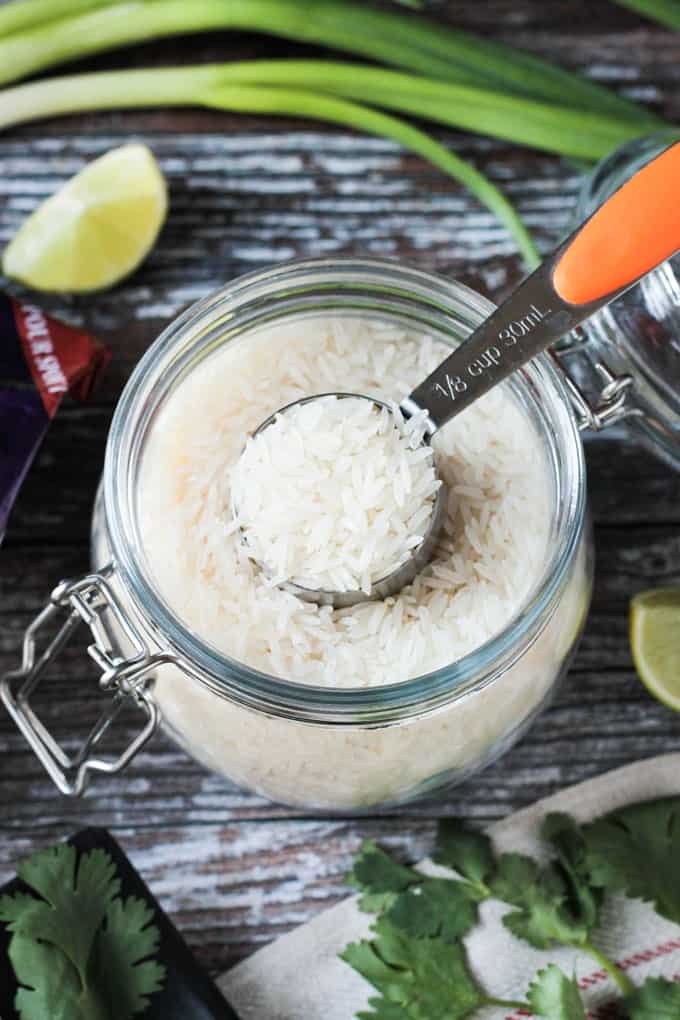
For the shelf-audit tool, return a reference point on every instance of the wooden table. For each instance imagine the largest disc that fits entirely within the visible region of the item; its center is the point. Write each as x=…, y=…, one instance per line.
x=233, y=870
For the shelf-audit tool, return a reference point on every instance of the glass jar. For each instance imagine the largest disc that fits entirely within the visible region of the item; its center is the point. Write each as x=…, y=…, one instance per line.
x=323, y=748
x=638, y=335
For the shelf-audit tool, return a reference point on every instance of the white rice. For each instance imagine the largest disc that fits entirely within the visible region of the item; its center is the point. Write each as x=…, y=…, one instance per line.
x=334, y=494
x=495, y=534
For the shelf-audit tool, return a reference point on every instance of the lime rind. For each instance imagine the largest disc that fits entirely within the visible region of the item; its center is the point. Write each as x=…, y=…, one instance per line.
x=655, y=643
x=96, y=229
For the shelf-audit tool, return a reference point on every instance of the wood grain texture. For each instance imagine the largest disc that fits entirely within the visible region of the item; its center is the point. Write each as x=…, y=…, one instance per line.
x=233, y=870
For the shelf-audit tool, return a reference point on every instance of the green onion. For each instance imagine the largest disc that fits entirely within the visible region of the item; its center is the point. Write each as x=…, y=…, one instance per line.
x=23, y=14
x=567, y=132
x=585, y=136
x=462, y=80
x=434, y=50
x=206, y=86
x=107, y=90
x=18, y=15
x=667, y=12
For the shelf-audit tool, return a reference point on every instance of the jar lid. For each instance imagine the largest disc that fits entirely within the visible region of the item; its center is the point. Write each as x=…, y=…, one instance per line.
x=639, y=333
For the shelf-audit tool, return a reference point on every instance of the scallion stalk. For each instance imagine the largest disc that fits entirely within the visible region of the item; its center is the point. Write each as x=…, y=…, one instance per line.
x=434, y=50
x=578, y=134
x=107, y=90
x=667, y=12
x=584, y=136
x=20, y=15
x=206, y=86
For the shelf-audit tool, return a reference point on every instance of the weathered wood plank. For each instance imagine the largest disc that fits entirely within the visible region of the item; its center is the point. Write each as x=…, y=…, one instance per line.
x=233, y=870
x=230, y=887
x=569, y=17
x=240, y=201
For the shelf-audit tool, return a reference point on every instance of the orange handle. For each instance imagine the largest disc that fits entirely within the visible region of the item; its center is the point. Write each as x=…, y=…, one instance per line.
x=634, y=231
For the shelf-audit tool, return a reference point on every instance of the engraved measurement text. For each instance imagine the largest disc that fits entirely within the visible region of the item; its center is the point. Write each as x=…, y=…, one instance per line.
x=452, y=386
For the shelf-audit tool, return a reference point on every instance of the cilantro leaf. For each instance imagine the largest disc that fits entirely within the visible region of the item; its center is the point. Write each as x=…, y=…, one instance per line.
x=558, y=903
x=378, y=877
x=421, y=906
x=572, y=860
x=466, y=851
x=555, y=996
x=656, y=1000
x=77, y=952
x=12, y=908
x=127, y=938
x=438, y=906
x=73, y=903
x=418, y=979
x=52, y=989
x=544, y=917
x=636, y=850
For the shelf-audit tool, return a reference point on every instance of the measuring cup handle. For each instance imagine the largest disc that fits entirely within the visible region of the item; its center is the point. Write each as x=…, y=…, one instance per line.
x=629, y=235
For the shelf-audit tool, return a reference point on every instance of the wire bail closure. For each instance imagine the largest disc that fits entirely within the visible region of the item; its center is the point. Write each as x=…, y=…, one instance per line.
x=612, y=404
x=128, y=678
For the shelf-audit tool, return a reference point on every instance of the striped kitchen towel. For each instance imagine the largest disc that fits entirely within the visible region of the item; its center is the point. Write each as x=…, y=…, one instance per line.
x=300, y=975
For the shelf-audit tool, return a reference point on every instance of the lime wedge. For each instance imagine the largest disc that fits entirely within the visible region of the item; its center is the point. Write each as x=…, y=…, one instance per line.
x=96, y=229
x=655, y=642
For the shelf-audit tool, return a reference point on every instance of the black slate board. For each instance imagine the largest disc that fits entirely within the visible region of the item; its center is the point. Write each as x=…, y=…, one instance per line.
x=187, y=992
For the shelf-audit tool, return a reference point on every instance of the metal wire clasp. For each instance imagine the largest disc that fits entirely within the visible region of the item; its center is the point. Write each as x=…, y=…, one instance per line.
x=613, y=402
x=90, y=601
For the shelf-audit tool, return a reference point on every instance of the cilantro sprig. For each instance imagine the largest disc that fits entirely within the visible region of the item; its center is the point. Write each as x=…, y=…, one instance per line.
x=78, y=950
x=415, y=956
x=424, y=979
x=413, y=902
x=637, y=851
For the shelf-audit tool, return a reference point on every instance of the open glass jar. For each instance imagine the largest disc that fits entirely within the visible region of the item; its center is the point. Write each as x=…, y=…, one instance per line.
x=638, y=335
x=317, y=747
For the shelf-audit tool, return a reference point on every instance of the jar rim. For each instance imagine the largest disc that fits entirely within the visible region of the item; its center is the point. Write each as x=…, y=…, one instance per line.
x=229, y=308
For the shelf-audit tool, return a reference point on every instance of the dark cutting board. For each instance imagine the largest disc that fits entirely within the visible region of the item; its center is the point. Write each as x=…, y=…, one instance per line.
x=187, y=992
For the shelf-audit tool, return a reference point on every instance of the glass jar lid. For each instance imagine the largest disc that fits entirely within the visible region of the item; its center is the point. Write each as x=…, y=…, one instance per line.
x=638, y=335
